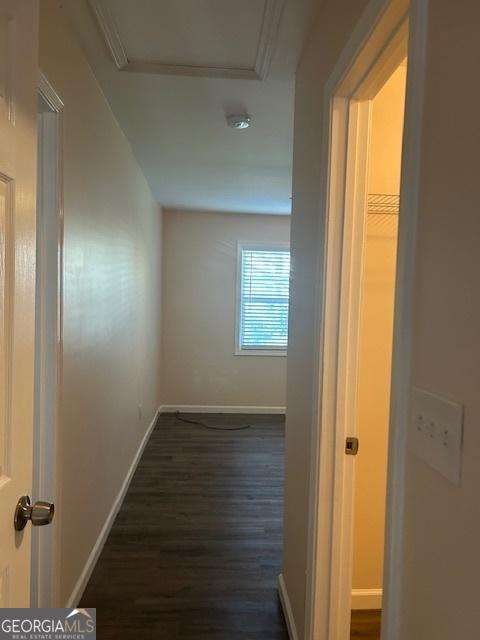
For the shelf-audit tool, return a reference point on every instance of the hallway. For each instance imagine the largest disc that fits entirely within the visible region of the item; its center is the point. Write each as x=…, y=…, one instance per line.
x=195, y=550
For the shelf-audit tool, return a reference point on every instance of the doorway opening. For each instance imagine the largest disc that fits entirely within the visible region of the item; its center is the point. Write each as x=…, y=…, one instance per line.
x=371, y=186
x=48, y=341
x=366, y=210
x=370, y=424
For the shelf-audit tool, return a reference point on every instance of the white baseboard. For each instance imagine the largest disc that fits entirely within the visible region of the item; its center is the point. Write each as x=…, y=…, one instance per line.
x=366, y=599
x=193, y=408
x=82, y=581
x=287, y=608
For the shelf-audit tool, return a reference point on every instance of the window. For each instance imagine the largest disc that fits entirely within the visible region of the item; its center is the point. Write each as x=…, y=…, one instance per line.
x=263, y=283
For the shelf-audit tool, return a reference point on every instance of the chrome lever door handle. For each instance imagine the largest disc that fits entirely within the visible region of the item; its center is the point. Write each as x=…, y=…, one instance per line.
x=40, y=514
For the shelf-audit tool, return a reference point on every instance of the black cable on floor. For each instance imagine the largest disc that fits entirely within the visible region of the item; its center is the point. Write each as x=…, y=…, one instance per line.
x=211, y=426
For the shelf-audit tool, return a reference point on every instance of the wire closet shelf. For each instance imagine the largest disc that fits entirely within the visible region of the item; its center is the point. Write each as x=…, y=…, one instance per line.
x=383, y=204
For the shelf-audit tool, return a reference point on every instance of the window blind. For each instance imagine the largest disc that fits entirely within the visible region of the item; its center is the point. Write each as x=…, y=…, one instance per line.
x=264, y=295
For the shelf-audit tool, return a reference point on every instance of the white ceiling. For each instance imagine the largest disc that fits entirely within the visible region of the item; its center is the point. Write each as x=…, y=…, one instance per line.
x=172, y=69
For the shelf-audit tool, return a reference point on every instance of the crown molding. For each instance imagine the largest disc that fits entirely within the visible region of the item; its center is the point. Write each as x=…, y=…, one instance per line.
x=268, y=37
x=266, y=46
x=48, y=93
x=110, y=33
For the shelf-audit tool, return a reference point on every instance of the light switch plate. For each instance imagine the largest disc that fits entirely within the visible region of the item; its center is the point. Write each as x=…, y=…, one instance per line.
x=436, y=430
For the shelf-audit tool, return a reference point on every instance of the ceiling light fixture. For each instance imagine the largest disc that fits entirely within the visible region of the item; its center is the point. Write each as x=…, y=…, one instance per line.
x=236, y=121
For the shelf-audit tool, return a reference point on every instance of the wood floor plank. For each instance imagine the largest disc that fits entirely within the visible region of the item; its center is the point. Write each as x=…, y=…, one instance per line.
x=366, y=624
x=195, y=550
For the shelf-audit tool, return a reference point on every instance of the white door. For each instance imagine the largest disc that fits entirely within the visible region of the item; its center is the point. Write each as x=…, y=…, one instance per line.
x=18, y=131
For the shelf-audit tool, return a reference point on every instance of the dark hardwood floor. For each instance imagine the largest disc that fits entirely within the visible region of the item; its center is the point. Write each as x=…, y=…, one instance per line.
x=366, y=624
x=195, y=550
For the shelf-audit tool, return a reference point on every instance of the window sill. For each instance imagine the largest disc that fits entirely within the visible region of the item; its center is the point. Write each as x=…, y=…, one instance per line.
x=260, y=352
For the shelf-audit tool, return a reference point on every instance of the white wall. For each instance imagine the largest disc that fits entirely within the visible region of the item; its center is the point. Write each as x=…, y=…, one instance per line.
x=442, y=522
x=439, y=576
x=199, y=301
x=111, y=350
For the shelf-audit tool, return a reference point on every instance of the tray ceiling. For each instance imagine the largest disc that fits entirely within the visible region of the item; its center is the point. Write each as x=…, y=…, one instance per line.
x=186, y=65
x=211, y=38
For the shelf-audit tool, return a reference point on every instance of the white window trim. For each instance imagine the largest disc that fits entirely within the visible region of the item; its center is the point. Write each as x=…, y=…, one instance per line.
x=253, y=246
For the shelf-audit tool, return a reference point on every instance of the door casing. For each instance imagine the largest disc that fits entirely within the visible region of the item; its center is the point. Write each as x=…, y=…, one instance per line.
x=388, y=30
x=48, y=368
